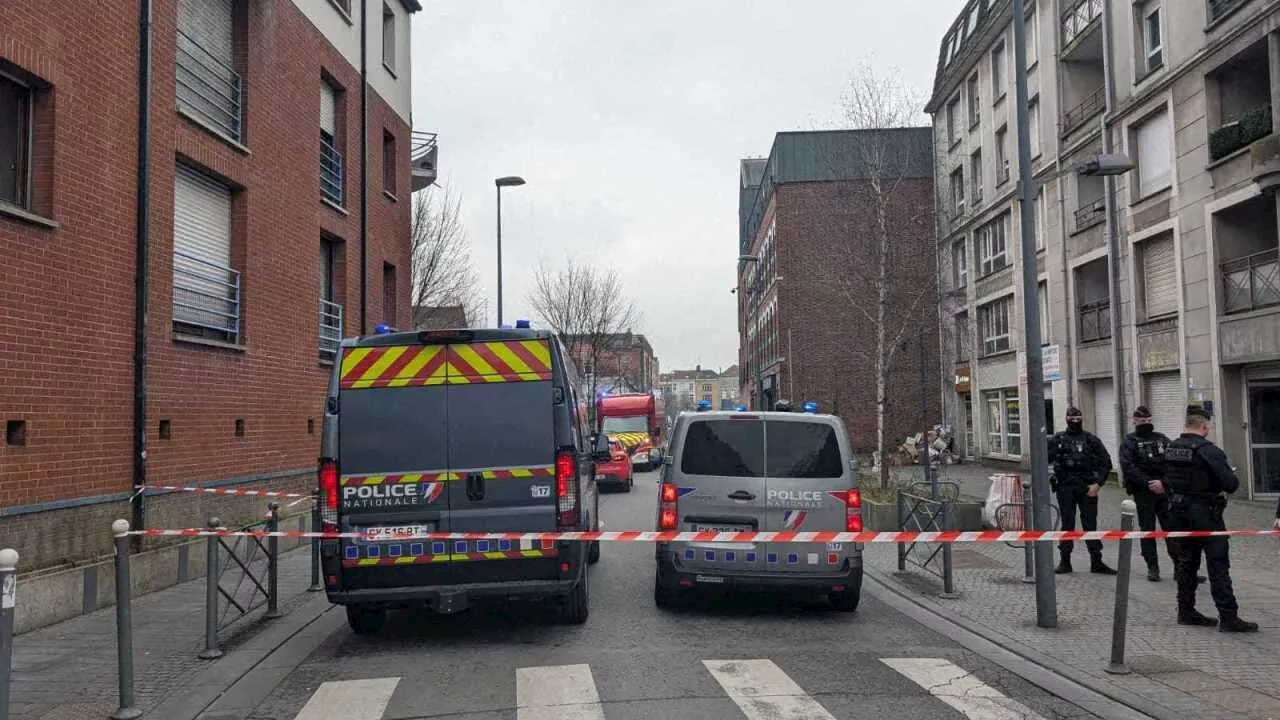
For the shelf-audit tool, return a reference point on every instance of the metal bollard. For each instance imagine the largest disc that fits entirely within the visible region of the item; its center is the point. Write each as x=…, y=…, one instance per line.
x=211, y=651
x=948, y=570
x=128, y=709
x=315, y=544
x=902, y=521
x=1028, y=548
x=1124, y=566
x=8, y=601
x=273, y=561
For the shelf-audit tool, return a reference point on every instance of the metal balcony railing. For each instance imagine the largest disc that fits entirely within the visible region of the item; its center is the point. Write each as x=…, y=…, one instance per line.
x=1251, y=282
x=206, y=298
x=331, y=171
x=1095, y=321
x=330, y=329
x=209, y=89
x=424, y=155
x=1078, y=17
x=1092, y=104
x=1090, y=213
x=1219, y=8
x=422, y=145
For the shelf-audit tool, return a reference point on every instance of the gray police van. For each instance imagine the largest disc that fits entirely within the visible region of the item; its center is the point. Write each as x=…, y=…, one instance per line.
x=473, y=430
x=759, y=471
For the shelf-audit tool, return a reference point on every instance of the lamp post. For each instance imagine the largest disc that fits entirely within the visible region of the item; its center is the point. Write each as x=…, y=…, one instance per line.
x=508, y=181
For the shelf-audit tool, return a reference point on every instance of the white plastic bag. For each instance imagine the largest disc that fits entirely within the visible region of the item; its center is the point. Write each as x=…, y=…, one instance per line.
x=1006, y=489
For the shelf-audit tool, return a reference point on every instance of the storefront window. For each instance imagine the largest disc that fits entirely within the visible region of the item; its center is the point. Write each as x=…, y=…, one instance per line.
x=1013, y=423
x=1003, y=420
x=995, y=424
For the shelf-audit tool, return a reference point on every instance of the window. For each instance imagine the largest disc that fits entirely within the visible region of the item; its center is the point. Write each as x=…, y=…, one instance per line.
x=975, y=176
x=1033, y=126
x=992, y=251
x=1003, y=420
x=962, y=337
x=999, y=72
x=209, y=90
x=993, y=324
x=1041, y=220
x=994, y=422
x=706, y=387
x=801, y=450
x=1012, y=423
x=330, y=326
x=1032, y=45
x=960, y=263
x=331, y=168
x=15, y=142
x=1159, y=277
x=953, y=120
x=388, y=162
x=957, y=191
x=388, y=37
x=1152, y=38
x=974, y=100
x=1042, y=299
x=1002, y=155
x=724, y=448
x=206, y=288
x=1154, y=142
x=389, y=293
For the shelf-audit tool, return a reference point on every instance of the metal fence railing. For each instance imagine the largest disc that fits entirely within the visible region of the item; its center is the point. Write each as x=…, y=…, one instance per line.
x=924, y=508
x=331, y=171
x=1090, y=213
x=330, y=329
x=1077, y=18
x=1091, y=105
x=208, y=88
x=206, y=297
x=1095, y=321
x=1251, y=282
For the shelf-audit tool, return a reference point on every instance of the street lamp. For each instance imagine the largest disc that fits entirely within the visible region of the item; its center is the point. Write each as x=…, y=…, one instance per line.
x=508, y=181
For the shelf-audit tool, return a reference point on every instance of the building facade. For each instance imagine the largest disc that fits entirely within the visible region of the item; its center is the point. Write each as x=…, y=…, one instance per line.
x=1186, y=90
x=808, y=277
x=624, y=362
x=174, y=290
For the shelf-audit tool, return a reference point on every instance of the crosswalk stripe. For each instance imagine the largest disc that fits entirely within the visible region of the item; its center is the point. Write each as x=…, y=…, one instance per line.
x=557, y=692
x=762, y=691
x=350, y=700
x=960, y=689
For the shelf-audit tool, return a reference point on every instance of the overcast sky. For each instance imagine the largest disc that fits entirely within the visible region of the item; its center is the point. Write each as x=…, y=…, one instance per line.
x=628, y=120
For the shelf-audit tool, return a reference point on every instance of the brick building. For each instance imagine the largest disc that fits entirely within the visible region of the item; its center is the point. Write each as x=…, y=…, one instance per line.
x=254, y=261
x=807, y=277
x=625, y=361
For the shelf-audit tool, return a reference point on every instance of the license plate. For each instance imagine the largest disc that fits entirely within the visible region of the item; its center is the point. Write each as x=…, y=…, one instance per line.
x=722, y=528
x=709, y=579
x=601, y=478
x=397, y=532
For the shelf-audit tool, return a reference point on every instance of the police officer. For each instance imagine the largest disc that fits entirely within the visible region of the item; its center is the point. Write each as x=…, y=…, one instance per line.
x=1197, y=479
x=1080, y=466
x=1142, y=462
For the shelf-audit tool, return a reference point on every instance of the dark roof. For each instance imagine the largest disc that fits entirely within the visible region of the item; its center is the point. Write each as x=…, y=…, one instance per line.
x=972, y=33
x=440, y=317
x=412, y=6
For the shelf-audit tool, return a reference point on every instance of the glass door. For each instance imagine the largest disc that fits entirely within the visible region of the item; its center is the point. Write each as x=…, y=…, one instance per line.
x=1264, y=436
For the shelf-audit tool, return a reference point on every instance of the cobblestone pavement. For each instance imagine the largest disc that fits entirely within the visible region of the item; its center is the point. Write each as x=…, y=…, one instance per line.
x=68, y=671
x=1196, y=672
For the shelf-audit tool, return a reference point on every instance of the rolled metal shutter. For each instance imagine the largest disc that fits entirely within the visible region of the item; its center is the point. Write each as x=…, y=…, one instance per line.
x=1164, y=396
x=328, y=108
x=209, y=23
x=1104, y=412
x=206, y=288
x=1159, y=277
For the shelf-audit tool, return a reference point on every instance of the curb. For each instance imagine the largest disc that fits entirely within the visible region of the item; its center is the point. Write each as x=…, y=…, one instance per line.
x=1099, y=697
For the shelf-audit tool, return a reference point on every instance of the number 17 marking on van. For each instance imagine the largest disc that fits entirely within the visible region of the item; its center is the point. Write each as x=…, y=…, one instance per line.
x=540, y=491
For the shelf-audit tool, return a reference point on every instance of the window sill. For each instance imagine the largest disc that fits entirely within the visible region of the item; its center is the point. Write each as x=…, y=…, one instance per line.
x=1145, y=76
x=994, y=273
x=954, y=144
x=334, y=206
x=342, y=11
x=1149, y=196
x=1099, y=341
x=390, y=70
x=16, y=212
x=390, y=196
x=1000, y=99
x=326, y=363
x=205, y=342
x=999, y=355
x=1223, y=18
x=1228, y=157
x=235, y=144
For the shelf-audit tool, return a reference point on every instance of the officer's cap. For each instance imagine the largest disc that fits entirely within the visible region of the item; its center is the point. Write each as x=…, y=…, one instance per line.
x=1141, y=413
x=1074, y=412
x=1198, y=411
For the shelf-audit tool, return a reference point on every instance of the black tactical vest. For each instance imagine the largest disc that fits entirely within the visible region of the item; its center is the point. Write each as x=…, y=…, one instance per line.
x=1072, y=454
x=1184, y=472
x=1151, y=450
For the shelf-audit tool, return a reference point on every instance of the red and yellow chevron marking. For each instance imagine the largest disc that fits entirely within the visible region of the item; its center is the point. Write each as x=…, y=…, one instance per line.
x=451, y=557
x=395, y=366
x=630, y=440
x=399, y=479
x=516, y=473
x=501, y=361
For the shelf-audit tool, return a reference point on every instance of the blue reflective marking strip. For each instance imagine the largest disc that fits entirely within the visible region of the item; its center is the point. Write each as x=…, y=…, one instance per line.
x=689, y=554
x=415, y=549
x=682, y=491
x=504, y=545
x=351, y=552
x=395, y=550
x=482, y=546
x=709, y=555
x=374, y=551
x=460, y=546
x=730, y=556
x=437, y=548
x=793, y=559
x=771, y=558
x=751, y=557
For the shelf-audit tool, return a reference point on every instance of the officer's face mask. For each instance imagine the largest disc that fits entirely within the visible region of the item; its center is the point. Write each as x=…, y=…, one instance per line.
x=1075, y=423
x=1144, y=427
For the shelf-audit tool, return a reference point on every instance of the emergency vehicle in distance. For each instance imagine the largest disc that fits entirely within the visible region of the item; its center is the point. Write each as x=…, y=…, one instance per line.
x=632, y=420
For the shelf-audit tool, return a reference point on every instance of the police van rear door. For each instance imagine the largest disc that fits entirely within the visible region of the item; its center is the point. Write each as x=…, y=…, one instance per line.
x=393, y=461
x=807, y=484
x=501, y=449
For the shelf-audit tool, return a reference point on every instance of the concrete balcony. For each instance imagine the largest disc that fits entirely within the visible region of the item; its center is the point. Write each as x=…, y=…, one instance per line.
x=423, y=158
x=1250, y=329
x=1264, y=154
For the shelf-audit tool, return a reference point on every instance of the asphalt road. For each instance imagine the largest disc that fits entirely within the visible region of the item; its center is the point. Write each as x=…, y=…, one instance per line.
x=744, y=658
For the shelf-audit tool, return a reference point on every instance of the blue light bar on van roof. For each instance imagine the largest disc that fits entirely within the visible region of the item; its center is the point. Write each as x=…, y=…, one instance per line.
x=704, y=405
x=810, y=407
x=383, y=329
x=739, y=408
x=523, y=325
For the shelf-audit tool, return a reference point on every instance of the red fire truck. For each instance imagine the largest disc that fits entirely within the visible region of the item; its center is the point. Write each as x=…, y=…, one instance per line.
x=632, y=419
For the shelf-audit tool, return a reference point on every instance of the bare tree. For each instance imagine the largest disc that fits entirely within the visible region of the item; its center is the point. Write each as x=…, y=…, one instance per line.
x=880, y=104
x=444, y=275
x=587, y=308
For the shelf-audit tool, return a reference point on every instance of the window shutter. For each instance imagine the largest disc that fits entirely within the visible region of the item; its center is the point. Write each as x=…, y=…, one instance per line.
x=1154, y=156
x=328, y=109
x=1165, y=397
x=1159, y=277
x=209, y=24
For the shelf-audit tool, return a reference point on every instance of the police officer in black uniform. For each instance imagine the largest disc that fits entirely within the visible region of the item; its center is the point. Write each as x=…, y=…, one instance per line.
x=1080, y=466
x=1142, y=463
x=1197, y=480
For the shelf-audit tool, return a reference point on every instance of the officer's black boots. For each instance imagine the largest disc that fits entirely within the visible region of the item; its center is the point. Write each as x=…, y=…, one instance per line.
x=1191, y=616
x=1097, y=566
x=1064, y=563
x=1232, y=623
x=1153, y=571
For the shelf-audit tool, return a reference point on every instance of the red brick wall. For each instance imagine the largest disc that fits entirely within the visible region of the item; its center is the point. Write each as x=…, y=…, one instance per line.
x=66, y=295
x=825, y=256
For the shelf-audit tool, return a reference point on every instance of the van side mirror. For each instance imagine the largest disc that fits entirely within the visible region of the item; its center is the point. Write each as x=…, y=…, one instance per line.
x=600, y=451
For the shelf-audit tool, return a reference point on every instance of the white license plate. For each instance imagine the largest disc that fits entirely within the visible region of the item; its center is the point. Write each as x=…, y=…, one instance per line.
x=722, y=528
x=601, y=478
x=397, y=532
x=709, y=579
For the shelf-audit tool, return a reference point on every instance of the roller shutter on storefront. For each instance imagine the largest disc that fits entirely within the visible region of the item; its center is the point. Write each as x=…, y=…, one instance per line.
x=1104, y=412
x=1164, y=396
x=1159, y=277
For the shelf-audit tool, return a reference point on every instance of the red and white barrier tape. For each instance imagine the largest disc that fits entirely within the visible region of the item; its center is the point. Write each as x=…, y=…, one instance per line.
x=226, y=491
x=953, y=536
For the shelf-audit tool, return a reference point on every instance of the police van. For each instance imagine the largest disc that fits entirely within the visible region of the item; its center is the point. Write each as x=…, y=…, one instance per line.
x=472, y=430
x=759, y=471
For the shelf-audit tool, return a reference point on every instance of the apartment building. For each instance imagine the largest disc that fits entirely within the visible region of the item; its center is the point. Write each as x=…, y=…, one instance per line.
x=181, y=255
x=624, y=362
x=808, y=277
x=683, y=390
x=1194, y=224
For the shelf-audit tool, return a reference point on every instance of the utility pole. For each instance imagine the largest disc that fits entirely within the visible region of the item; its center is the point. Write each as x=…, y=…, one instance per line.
x=1046, y=590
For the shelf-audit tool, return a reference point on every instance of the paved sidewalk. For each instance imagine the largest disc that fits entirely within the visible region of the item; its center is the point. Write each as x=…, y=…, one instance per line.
x=68, y=671
x=1177, y=671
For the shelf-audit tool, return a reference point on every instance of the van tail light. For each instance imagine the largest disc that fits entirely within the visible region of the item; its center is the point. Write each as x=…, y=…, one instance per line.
x=668, y=516
x=853, y=510
x=328, y=496
x=566, y=489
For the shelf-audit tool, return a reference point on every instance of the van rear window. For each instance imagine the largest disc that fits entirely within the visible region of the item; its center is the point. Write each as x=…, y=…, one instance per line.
x=802, y=450
x=724, y=448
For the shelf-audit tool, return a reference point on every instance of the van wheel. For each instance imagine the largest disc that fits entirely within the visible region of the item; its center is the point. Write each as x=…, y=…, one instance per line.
x=593, y=552
x=631, y=481
x=365, y=621
x=665, y=596
x=845, y=601
x=574, y=608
